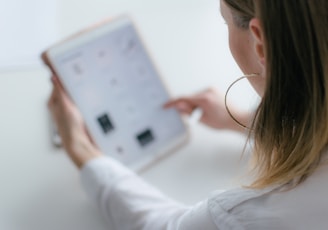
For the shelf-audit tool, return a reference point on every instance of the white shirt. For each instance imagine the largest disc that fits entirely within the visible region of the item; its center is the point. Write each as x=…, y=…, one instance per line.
x=129, y=203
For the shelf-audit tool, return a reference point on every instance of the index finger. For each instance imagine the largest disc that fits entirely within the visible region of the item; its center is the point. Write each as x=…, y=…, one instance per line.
x=175, y=102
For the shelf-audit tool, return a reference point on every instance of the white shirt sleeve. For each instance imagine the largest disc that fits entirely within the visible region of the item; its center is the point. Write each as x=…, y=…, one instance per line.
x=129, y=203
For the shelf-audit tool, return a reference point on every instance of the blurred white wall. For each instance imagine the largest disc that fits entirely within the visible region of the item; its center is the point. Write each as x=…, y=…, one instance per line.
x=188, y=39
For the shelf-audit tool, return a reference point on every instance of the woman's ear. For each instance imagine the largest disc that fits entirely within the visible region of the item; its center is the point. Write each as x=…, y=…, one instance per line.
x=257, y=32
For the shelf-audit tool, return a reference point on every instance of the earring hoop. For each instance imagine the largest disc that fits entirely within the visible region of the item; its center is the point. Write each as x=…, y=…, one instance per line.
x=226, y=98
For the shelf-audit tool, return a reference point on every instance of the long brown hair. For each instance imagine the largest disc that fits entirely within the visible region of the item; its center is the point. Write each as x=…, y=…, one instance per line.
x=290, y=128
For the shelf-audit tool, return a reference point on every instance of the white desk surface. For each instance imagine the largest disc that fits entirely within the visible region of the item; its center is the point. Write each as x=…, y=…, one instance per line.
x=40, y=188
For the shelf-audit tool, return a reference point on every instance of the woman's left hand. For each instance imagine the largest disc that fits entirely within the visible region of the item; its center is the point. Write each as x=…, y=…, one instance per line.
x=71, y=127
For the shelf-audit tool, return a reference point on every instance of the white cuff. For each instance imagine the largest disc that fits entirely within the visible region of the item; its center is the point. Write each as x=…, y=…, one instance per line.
x=102, y=172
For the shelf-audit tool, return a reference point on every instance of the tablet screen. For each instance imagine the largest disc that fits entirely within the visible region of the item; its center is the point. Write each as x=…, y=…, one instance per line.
x=115, y=85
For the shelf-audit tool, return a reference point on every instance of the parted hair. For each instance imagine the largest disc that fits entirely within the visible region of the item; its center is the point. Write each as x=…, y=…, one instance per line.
x=290, y=127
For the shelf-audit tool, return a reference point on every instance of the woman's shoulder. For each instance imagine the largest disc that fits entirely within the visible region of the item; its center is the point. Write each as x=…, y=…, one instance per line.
x=231, y=209
x=275, y=207
x=227, y=200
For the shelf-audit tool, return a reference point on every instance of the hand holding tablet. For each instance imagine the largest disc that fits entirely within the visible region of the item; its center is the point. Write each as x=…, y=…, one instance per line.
x=110, y=77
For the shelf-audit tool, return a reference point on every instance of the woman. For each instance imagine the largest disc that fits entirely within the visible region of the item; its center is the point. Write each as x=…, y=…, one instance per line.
x=284, y=46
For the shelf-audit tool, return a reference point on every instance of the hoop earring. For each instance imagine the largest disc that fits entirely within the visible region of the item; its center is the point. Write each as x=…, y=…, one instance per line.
x=226, y=98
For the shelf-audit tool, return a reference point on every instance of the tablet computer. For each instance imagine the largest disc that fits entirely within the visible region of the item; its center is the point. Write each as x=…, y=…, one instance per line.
x=109, y=75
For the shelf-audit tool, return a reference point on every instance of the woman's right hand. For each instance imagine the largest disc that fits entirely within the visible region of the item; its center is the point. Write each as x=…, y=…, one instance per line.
x=215, y=115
